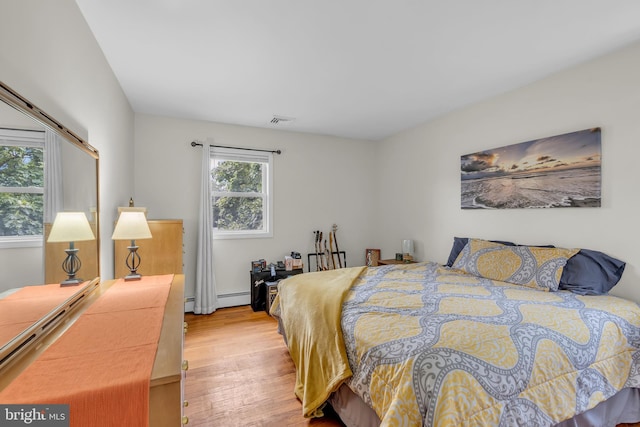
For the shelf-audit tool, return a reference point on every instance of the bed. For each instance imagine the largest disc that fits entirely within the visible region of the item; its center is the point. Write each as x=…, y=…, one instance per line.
x=503, y=335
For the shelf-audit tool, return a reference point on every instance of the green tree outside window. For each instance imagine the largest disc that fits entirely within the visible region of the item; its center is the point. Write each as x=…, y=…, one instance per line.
x=238, y=202
x=21, y=190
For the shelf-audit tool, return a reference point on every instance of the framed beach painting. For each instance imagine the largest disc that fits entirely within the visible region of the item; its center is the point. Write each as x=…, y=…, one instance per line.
x=559, y=171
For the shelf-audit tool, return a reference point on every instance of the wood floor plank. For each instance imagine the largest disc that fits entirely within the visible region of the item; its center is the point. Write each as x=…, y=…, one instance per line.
x=240, y=373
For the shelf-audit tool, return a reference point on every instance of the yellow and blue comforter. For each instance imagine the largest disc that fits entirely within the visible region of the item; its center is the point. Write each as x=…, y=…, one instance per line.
x=426, y=345
x=433, y=346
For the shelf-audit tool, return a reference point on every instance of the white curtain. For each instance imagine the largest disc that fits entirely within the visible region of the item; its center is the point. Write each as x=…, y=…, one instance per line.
x=206, y=300
x=53, y=195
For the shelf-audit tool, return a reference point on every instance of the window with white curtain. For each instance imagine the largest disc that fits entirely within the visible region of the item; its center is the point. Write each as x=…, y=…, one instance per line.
x=241, y=182
x=21, y=187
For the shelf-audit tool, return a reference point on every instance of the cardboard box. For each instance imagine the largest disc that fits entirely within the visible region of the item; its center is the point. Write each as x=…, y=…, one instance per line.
x=297, y=263
x=288, y=263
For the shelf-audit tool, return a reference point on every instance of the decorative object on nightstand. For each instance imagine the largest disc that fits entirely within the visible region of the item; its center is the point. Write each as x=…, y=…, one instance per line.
x=132, y=225
x=407, y=250
x=372, y=256
x=71, y=227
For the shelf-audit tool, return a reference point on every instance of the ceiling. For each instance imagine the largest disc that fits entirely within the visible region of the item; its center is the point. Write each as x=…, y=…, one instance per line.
x=363, y=69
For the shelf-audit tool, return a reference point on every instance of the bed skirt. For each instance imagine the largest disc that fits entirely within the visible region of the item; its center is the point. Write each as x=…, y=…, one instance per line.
x=623, y=407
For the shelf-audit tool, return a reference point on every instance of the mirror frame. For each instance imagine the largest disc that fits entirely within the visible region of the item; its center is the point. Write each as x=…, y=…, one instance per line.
x=39, y=329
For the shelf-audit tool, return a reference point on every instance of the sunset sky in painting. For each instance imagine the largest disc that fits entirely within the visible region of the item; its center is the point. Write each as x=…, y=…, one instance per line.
x=571, y=150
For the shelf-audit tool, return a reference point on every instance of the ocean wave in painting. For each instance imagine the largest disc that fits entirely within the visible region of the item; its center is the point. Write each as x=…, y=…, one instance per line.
x=576, y=187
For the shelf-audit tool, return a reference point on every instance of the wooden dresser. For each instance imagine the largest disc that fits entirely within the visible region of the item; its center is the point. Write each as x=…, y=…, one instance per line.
x=166, y=386
x=166, y=399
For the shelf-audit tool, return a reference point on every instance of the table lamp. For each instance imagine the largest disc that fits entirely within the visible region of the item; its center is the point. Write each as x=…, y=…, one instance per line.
x=407, y=250
x=132, y=225
x=71, y=227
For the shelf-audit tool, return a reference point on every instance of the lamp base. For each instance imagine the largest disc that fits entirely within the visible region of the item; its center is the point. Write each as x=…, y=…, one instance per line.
x=71, y=265
x=71, y=282
x=133, y=262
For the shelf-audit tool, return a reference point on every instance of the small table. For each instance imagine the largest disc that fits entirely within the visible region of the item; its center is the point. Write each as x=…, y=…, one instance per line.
x=393, y=261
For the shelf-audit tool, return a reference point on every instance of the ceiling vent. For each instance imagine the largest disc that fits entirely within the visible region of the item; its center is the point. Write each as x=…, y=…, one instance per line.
x=281, y=120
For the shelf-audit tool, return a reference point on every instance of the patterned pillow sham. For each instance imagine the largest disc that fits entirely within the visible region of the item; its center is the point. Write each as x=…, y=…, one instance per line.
x=530, y=266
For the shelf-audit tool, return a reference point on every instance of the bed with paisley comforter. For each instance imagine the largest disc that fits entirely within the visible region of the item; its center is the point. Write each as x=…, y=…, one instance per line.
x=430, y=345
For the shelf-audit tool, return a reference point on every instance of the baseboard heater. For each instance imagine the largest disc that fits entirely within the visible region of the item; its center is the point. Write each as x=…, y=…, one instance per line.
x=224, y=300
x=233, y=295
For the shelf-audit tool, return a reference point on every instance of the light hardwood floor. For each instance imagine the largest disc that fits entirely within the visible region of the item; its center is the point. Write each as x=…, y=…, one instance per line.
x=240, y=373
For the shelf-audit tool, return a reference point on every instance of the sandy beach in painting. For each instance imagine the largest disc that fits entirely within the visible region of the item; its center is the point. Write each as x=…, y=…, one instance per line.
x=567, y=188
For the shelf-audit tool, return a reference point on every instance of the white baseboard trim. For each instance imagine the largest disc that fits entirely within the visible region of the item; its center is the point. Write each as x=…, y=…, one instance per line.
x=224, y=300
x=189, y=304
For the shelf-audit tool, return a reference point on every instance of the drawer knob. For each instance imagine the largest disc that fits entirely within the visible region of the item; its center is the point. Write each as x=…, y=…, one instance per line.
x=185, y=420
x=185, y=403
x=185, y=365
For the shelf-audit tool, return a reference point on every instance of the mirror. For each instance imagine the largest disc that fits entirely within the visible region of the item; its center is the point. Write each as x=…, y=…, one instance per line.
x=51, y=170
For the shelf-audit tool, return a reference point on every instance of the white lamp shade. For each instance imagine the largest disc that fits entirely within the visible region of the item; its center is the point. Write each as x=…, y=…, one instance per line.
x=407, y=246
x=131, y=226
x=70, y=227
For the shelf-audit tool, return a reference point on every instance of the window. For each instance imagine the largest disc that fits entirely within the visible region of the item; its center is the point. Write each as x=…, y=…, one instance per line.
x=21, y=187
x=241, y=185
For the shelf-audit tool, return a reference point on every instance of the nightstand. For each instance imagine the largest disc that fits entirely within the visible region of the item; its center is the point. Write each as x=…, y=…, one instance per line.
x=392, y=261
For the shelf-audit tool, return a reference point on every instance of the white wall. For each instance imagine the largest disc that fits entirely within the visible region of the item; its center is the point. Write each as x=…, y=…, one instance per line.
x=21, y=266
x=425, y=163
x=49, y=56
x=79, y=180
x=318, y=181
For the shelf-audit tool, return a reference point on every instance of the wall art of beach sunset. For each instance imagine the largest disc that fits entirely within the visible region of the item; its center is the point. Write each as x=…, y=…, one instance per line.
x=559, y=171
